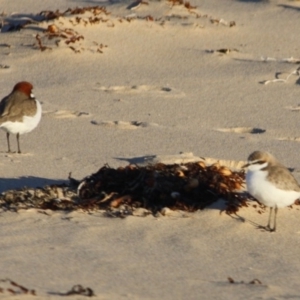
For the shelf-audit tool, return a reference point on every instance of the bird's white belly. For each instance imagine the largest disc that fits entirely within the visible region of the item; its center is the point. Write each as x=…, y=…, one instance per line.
x=267, y=193
x=28, y=124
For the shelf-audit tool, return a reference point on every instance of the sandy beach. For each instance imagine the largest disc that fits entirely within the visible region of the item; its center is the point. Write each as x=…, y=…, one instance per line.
x=125, y=83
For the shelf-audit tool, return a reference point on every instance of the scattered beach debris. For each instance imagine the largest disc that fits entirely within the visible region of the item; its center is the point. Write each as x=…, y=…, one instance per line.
x=5, y=45
x=187, y=187
x=136, y=89
x=186, y=4
x=254, y=281
x=154, y=90
x=4, y=66
x=16, y=22
x=40, y=45
x=124, y=124
x=223, y=50
x=69, y=34
x=57, y=24
x=57, y=34
x=223, y=22
x=252, y=130
x=14, y=288
x=77, y=290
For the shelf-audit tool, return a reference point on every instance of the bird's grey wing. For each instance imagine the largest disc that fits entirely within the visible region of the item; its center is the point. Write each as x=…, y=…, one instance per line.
x=283, y=178
x=14, y=105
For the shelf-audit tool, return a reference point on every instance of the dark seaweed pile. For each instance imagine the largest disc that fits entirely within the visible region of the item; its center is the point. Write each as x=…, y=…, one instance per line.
x=186, y=187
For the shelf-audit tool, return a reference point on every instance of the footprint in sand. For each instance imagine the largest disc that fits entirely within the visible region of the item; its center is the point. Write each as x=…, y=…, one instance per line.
x=292, y=139
x=137, y=89
x=123, y=124
x=252, y=130
x=15, y=157
x=294, y=108
x=66, y=114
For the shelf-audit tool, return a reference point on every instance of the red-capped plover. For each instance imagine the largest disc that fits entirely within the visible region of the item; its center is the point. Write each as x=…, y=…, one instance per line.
x=20, y=112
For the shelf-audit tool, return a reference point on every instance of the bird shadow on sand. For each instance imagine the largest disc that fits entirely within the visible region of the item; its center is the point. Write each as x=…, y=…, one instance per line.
x=286, y=6
x=139, y=160
x=27, y=182
x=238, y=218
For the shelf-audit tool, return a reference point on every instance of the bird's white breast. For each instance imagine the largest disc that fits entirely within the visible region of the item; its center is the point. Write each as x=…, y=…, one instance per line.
x=266, y=192
x=28, y=124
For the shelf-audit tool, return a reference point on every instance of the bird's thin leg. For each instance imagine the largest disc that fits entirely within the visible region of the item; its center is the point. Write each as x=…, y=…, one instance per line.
x=8, y=144
x=275, y=217
x=18, y=136
x=268, y=227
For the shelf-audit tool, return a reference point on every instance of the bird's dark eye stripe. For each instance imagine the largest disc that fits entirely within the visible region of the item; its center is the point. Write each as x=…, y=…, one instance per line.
x=260, y=162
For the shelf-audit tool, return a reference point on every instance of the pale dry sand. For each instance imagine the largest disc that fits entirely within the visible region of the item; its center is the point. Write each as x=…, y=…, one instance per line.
x=157, y=89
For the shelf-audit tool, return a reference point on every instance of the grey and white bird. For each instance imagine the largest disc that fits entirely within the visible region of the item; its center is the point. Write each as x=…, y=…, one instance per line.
x=271, y=183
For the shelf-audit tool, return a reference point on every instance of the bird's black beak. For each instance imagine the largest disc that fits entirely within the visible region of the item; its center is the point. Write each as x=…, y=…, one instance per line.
x=245, y=166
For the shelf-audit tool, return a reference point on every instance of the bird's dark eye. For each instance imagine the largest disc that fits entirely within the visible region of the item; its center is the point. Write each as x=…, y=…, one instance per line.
x=260, y=162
